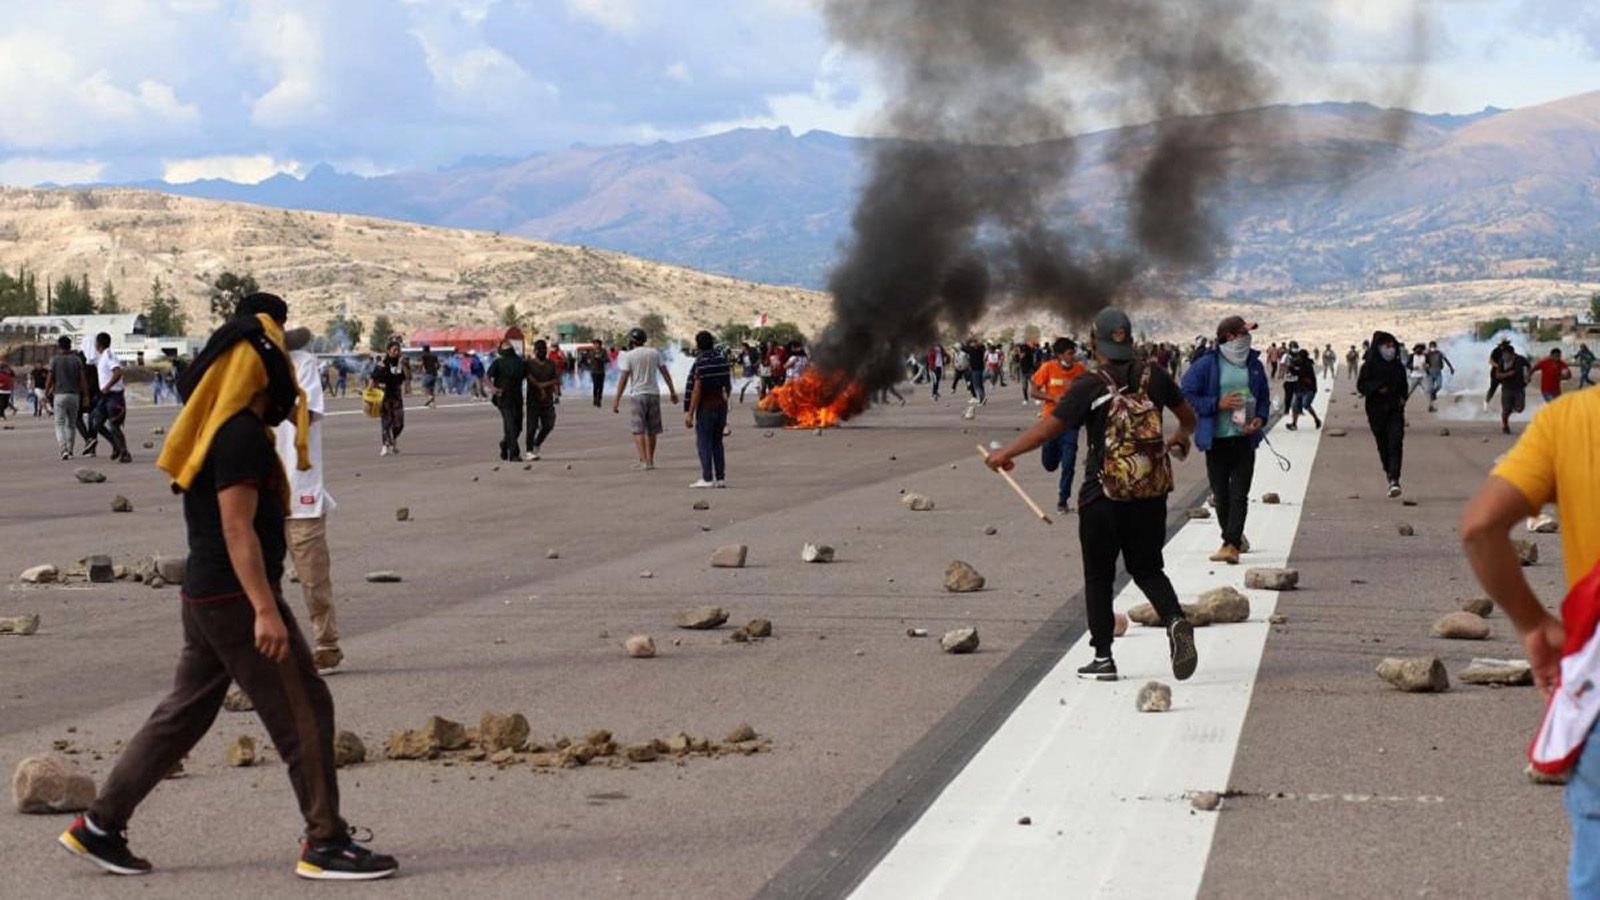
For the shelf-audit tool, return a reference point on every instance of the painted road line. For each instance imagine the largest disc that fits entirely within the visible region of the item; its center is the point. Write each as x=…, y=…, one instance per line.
x=1104, y=786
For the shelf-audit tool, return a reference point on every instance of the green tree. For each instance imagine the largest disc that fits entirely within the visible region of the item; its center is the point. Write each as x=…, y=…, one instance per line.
x=655, y=328
x=780, y=332
x=382, y=330
x=1489, y=329
x=344, y=331
x=163, y=314
x=731, y=332
x=71, y=298
x=226, y=290
x=108, y=299
x=1594, y=307
x=19, y=294
x=510, y=317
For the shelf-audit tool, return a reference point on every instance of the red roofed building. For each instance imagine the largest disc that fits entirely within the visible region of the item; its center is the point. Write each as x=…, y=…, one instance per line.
x=467, y=340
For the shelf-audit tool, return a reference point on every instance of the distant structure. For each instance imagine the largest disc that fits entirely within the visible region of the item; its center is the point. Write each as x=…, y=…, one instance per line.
x=129, y=334
x=467, y=340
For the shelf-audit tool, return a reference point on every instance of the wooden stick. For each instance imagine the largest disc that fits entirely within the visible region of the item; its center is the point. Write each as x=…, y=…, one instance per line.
x=983, y=452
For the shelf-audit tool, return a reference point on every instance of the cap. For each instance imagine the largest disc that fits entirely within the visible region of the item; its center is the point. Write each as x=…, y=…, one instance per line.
x=1234, y=325
x=1113, y=335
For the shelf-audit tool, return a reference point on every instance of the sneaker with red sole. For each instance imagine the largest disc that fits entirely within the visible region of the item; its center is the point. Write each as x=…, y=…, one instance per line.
x=109, y=851
x=342, y=860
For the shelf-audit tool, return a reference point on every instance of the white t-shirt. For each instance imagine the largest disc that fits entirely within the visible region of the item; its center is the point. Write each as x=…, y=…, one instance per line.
x=103, y=364
x=797, y=365
x=643, y=365
x=308, y=498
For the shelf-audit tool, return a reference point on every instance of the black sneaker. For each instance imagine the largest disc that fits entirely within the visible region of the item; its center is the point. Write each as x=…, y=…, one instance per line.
x=90, y=448
x=342, y=860
x=1394, y=489
x=126, y=457
x=1180, y=640
x=1099, y=670
x=108, y=851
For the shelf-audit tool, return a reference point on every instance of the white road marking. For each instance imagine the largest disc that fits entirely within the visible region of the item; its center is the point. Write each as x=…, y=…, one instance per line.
x=1104, y=785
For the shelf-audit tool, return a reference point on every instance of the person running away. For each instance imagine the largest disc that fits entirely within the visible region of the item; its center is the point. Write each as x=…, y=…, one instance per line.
x=1383, y=383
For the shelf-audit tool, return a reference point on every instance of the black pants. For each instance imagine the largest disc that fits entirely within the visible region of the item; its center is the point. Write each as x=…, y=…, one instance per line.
x=599, y=383
x=541, y=421
x=106, y=421
x=1136, y=530
x=1230, y=467
x=1388, y=424
x=510, y=424
x=291, y=700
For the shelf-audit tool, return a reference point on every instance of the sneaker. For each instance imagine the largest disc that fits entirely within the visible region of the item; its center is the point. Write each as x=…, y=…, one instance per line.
x=1099, y=670
x=384, y=451
x=326, y=659
x=649, y=467
x=395, y=449
x=1180, y=639
x=720, y=484
x=66, y=455
x=90, y=448
x=1228, y=554
x=638, y=467
x=1244, y=544
x=108, y=851
x=1394, y=489
x=343, y=860
x=702, y=483
x=533, y=455
x=1063, y=509
x=126, y=457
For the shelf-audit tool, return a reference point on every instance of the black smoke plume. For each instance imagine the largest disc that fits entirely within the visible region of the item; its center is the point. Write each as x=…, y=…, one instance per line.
x=964, y=207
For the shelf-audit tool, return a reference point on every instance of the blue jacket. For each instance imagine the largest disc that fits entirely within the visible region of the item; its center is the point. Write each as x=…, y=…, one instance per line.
x=1202, y=385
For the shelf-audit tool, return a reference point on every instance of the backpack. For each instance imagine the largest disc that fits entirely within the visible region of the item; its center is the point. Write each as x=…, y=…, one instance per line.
x=962, y=361
x=1136, y=466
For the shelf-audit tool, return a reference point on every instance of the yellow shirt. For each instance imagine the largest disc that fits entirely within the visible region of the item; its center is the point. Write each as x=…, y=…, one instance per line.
x=1557, y=460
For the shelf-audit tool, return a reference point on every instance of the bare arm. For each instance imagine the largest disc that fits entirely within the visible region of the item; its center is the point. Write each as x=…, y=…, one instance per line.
x=1486, y=538
x=671, y=390
x=694, y=403
x=238, y=507
x=622, y=385
x=1044, y=431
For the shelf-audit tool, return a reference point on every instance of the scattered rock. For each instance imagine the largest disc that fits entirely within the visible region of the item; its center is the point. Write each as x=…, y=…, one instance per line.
x=402, y=514
x=1119, y=626
x=816, y=553
x=1408, y=502
x=1278, y=619
x=640, y=646
x=1544, y=525
x=1024, y=820
x=1145, y=615
x=701, y=618
x=1205, y=801
x=990, y=530
x=552, y=553
x=969, y=413
x=155, y=581
x=1444, y=432
x=409, y=744
x=1405, y=529
x=503, y=757
x=759, y=628
x=121, y=504
x=1503, y=672
x=1336, y=432
x=701, y=505
x=640, y=753
x=1224, y=604
x=172, y=569
x=961, y=640
x=1154, y=697
x=961, y=578
x=597, y=738
x=731, y=556
x=45, y=574
x=238, y=701
x=502, y=731
x=1199, y=512
x=647, y=574
x=1418, y=674
x=48, y=783
x=916, y=632
x=1461, y=626
x=101, y=569
x=1527, y=552
x=1272, y=579
x=149, y=445
x=28, y=623
x=743, y=733
x=445, y=734
x=242, y=751
x=1478, y=606
x=89, y=476
x=916, y=503
x=158, y=430
x=383, y=577
x=1270, y=499
x=1537, y=777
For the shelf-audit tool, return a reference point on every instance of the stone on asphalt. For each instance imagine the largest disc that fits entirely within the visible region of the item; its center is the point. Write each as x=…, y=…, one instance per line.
x=27, y=623
x=1527, y=552
x=1444, y=432
x=990, y=530
x=552, y=553
x=402, y=514
x=101, y=569
x=816, y=553
x=1544, y=525
x=1145, y=615
x=172, y=569
x=640, y=646
x=1278, y=619
x=1461, y=626
x=1153, y=697
x=701, y=505
x=1205, y=801
x=1270, y=498
x=961, y=640
x=121, y=504
x=149, y=445
x=89, y=476
x=1417, y=674
x=408, y=744
x=502, y=731
x=1503, y=672
x=916, y=502
x=731, y=556
x=1272, y=579
x=1478, y=606
x=384, y=577
x=742, y=733
x=1405, y=529
x=962, y=578
x=48, y=783
x=242, y=751
x=45, y=574
x=1198, y=512
x=701, y=618
x=447, y=735
x=759, y=628
x=237, y=701
x=1224, y=604
x=969, y=413
x=1336, y=432
x=640, y=753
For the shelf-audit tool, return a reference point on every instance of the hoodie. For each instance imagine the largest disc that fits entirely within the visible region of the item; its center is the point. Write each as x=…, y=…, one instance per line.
x=1202, y=386
x=1382, y=382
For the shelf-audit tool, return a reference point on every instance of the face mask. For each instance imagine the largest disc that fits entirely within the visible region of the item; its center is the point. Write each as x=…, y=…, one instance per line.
x=1387, y=353
x=1236, y=351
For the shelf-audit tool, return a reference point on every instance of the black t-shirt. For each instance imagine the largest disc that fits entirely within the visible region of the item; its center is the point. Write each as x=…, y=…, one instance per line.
x=430, y=363
x=389, y=374
x=541, y=370
x=240, y=454
x=1077, y=410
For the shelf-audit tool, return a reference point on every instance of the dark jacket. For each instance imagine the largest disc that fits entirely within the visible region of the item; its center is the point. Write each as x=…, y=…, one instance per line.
x=1202, y=385
x=1382, y=382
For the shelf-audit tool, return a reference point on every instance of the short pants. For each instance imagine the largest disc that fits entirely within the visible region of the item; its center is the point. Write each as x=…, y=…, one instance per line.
x=644, y=414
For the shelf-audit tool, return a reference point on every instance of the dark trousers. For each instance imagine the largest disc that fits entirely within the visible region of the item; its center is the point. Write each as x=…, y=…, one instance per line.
x=1136, y=530
x=1062, y=453
x=106, y=420
x=541, y=421
x=938, y=376
x=291, y=700
x=1388, y=424
x=708, y=427
x=1230, y=467
x=599, y=382
x=510, y=425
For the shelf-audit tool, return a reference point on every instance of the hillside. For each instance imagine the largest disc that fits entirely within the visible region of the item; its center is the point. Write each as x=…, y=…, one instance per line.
x=416, y=274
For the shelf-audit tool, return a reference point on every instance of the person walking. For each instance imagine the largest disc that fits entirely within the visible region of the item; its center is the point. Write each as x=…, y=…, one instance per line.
x=111, y=408
x=595, y=362
x=706, y=409
x=38, y=377
x=306, y=530
x=1495, y=356
x=1352, y=362
x=236, y=625
x=1434, y=362
x=975, y=365
x=639, y=369
x=1123, y=507
x=936, y=359
x=65, y=390
x=544, y=392
x=1555, y=461
x=1552, y=370
x=430, y=376
x=391, y=373
x=1330, y=364
x=1382, y=382
x=1509, y=373
x=1288, y=379
x=1051, y=382
x=1303, y=373
x=1585, y=360
x=1027, y=362
x=506, y=376
x=8, y=386
x=1232, y=400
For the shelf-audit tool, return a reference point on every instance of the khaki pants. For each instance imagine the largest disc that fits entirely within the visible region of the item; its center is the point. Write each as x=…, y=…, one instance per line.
x=308, y=548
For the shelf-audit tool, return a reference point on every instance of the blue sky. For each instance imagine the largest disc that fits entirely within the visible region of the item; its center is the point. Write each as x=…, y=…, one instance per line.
x=131, y=89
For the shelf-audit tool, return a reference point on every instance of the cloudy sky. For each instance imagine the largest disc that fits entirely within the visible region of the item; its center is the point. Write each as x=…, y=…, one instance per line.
x=120, y=90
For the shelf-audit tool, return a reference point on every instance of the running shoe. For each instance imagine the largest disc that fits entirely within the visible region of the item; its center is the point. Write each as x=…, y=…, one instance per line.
x=90, y=448
x=1394, y=489
x=1099, y=670
x=721, y=483
x=66, y=454
x=1180, y=639
x=702, y=483
x=533, y=455
x=384, y=451
x=342, y=860
x=126, y=457
x=109, y=851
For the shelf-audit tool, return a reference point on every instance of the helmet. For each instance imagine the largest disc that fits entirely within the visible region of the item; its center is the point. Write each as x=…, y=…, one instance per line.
x=637, y=337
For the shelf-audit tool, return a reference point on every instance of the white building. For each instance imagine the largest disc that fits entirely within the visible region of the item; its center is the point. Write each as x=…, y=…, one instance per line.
x=129, y=334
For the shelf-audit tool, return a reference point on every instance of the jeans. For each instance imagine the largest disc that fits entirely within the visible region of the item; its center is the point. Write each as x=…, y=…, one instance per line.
x=106, y=420
x=1583, y=810
x=1388, y=424
x=975, y=384
x=1136, y=530
x=1063, y=453
x=1435, y=383
x=708, y=427
x=67, y=421
x=541, y=421
x=938, y=376
x=1230, y=467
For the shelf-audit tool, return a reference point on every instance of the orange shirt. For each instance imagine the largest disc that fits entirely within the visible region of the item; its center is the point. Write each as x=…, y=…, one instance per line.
x=1051, y=382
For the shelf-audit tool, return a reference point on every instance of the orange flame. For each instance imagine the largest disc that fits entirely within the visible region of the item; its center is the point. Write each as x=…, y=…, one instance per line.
x=817, y=399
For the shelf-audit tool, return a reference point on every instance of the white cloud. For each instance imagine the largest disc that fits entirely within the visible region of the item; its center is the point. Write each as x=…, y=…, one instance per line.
x=27, y=171
x=478, y=77
x=614, y=15
x=679, y=72
x=242, y=169
x=294, y=43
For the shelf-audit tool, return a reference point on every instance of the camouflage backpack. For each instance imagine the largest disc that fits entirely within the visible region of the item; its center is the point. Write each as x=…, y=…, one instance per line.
x=1136, y=465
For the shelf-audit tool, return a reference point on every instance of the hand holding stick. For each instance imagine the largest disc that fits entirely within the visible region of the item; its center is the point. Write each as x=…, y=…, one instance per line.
x=1018, y=488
